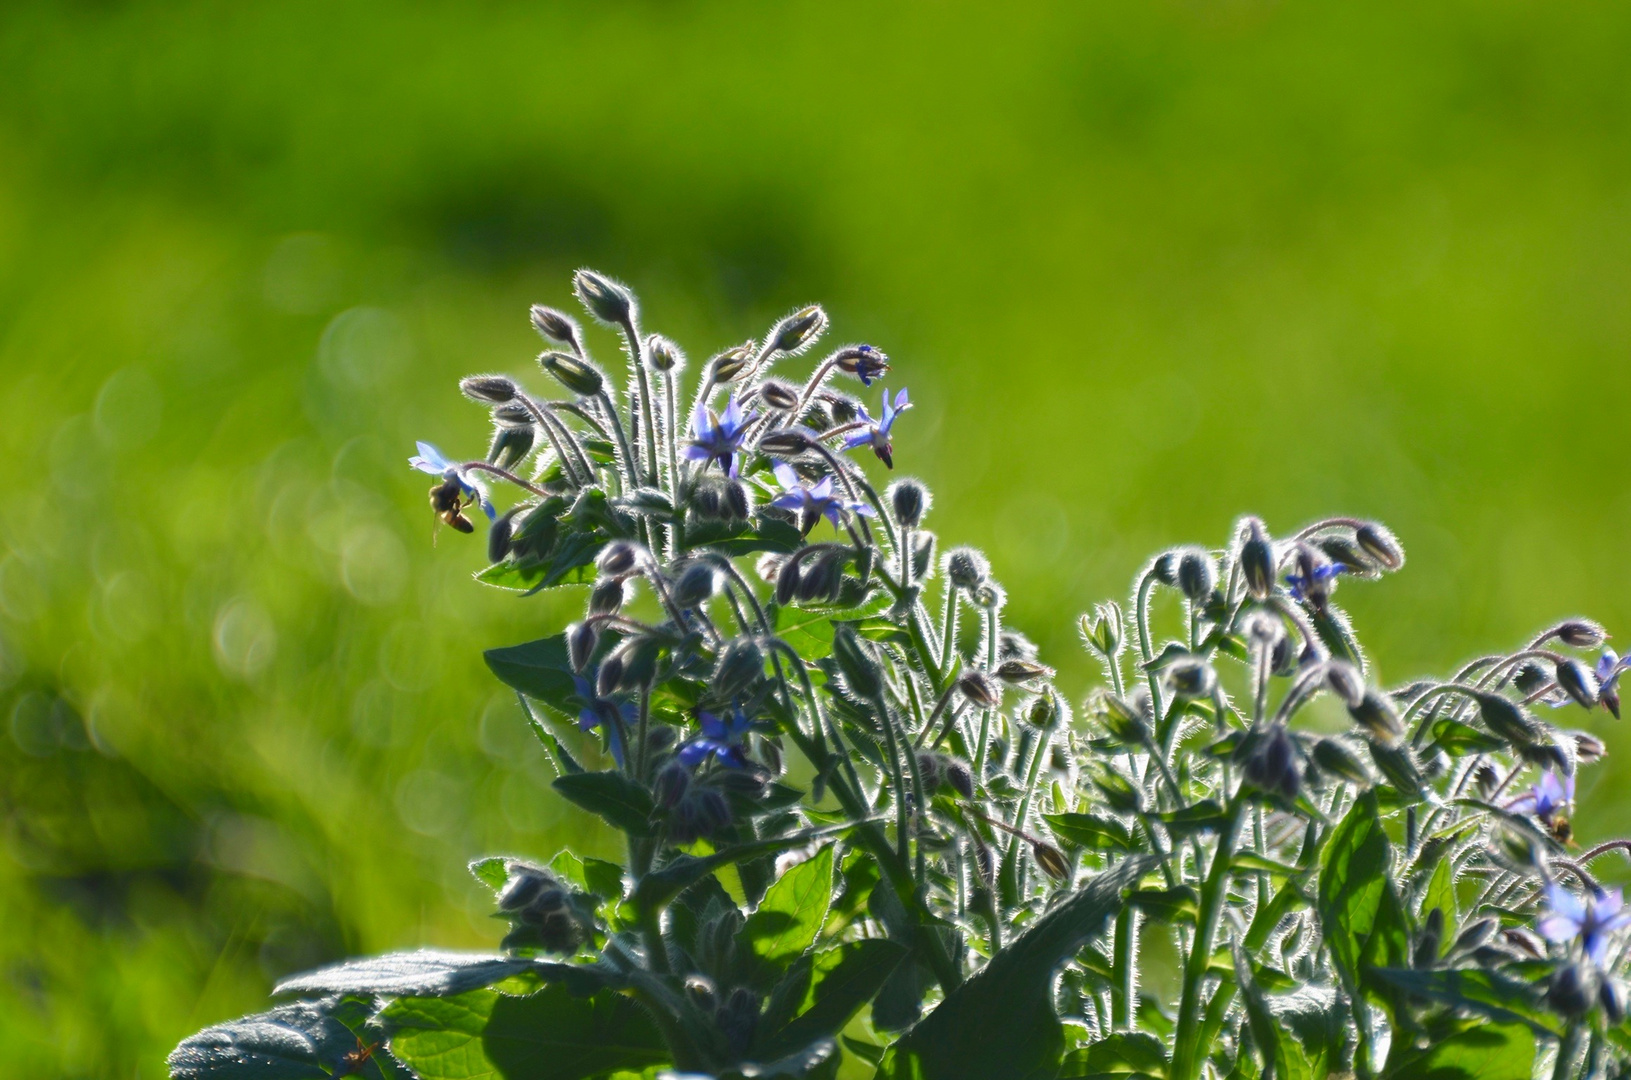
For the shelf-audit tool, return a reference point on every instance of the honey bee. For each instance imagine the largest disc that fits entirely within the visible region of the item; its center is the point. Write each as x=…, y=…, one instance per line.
x=355, y=1060
x=1561, y=830
x=448, y=500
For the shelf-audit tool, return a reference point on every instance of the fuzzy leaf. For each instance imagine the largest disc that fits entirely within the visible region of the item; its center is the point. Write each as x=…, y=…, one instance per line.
x=1092, y=831
x=619, y=800
x=841, y=981
x=538, y=669
x=1353, y=877
x=549, y=1035
x=300, y=1041
x=426, y=973
x=1010, y=996
x=1124, y=1052
x=787, y=920
x=1487, y=1052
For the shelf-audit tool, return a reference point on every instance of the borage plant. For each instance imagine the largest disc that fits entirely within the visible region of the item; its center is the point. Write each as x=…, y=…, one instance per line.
x=866, y=833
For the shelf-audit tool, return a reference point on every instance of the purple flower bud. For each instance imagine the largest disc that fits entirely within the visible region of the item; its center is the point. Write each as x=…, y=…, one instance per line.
x=1257, y=560
x=490, y=389
x=1578, y=682
x=779, y=395
x=557, y=326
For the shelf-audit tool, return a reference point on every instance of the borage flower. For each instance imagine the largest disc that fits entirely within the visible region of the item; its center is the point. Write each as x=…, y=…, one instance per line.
x=876, y=433
x=1547, y=798
x=864, y=362
x=603, y=713
x=1591, y=920
x=720, y=740
x=1304, y=585
x=718, y=436
x=1609, y=669
x=458, y=482
x=812, y=503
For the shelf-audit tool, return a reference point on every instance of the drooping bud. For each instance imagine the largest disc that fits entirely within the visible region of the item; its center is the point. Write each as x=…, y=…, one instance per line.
x=1257, y=561
x=1191, y=677
x=523, y=885
x=511, y=444
x=1045, y=710
x=1345, y=682
x=581, y=639
x=966, y=567
x=1376, y=714
x=988, y=595
x=607, y=300
x=579, y=376
x=1588, y=747
x=1334, y=757
x=1272, y=764
x=960, y=778
x=788, y=441
x=700, y=989
x=1165, y=568
x=910, y=501
x=798, y=330
x=1051, y=860
x=1477, y=933
x=1530, y=677
x=1486, y=780
x=787, y=581
x=557, y=326
x=930, y=769
x=1580, y=633
x=1316, y=576
x=669, y=787
x=779, y=395
x=695, y=585
x=737, y=504
x=1196, y=574
x=1578, y=682
x=1425, y=954
x=979, y=688
x=1573, y=989
x=729, y=365
x=1507, y=720
x=663, y=355
x=610, y=674
x=741, y=665
x=1022, y=672
x=608, y=595
x=856, y=663
x=498, y=537
x=1380, y=544
x=618, y=559
x=489, y=389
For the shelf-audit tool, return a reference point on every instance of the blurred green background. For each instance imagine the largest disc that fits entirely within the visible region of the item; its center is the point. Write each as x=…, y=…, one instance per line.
x=1143, y=266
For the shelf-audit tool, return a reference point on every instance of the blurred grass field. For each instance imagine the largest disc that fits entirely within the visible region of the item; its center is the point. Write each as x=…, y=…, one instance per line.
x=1144, y=267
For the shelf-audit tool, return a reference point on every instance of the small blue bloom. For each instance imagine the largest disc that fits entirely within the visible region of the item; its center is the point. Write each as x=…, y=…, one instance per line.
x=1325, y=572
x=720, y=740
x=431, y=460
x=1610, y=667
x=812, y=503
x=718, y=437
x=1546, y=798
x=603, y=713
x=864, y=362
x=1591, y=920
x=876, y=433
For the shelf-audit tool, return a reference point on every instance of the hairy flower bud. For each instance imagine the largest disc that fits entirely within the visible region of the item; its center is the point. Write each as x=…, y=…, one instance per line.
x=910, y=501
x=1579, y=633
x=1191, y=677
x=1165, y=568
x=1018, y=672
x=608, y=301
x=1045, y=710
x=1051, y=860
x=490, y=389
x=966, y=567
x=730, y=365
x=579, y=376
x=608, y=595
x=1376, y=541
x=610, y=675
x=498, y=537
x=1334, y=757
x=960, y=778
x=557, y=326
x=1578, y=682
x=511, y=444
x=1573, y=989
x=523, y=885
x=1507, y=720
x=1272, y=764
x=669, y=787
x=618, y=559
x=979, y=688
x=798, y=330
x=788, y=441
x=779, y=395
x=696, y=585
x=1257, y=561
x=1196, y=574
x=1376, y=714
x=663, y=355
x=856, y=662
x=1345, y=682
x=1425, y=954
x=1486, y=780
x=581, y=639
x=741, y=665
x=862, y=361
x=1588, y=747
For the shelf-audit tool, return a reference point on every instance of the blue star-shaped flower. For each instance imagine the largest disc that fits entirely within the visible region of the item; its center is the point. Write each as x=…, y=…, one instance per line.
x=1325, y=572
x=720, y=740
x=431, y=460
x=1591, y=920
x=864, y=362
x=603, y=713
x=876, y=433
x=718, y=436
x=1546, y=798
x=812, y=503
x=1610, y=667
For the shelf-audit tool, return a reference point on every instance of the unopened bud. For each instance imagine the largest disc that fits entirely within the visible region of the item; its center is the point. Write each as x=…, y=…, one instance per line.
x=700, y=989
x=960, y=778
x=610, y=675
x=987, y=595
x=741, y=664
x=787, y=581
x=910, y=501
x=1580, y=633
x=1334, y=757
x=730, y=364
x=1578, y=682
x=1573, y=989
x=1272, y=765
x=862, y=361
x=788, y=441
x=1375, y=713
x=557, y=326
x=1530, y=677
x=1051, y=860
x=491, y=389
x=522, y=886
x=607, y=300
x=608, y=595
x=1425, y=954
x=695, y=585
x=1507, y=720
x=670, y=785
x=1165, y=568
x=1345, y=682
x=580, y=644
x=1611, y=993
x=618, y=559
x=857, y=664
x=663, y=355
x=930, y=768
x=737, y=504
x=1487, y=780
x=799, y=329
x=1191, y=677
x=966, y=567
x=1377, y=542
x=498, y=537
x=1022, y=672
x=1588, y=747
x=1045, y=710
x=579, y=376
x=1196, y=574
x=511, y=444
x=1257, y=561
x=980, y=689
x=779, y=395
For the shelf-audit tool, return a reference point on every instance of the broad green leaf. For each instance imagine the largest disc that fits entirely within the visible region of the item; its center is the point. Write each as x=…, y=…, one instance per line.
x=1441, y=894
x=1204, y=816
x=299, y=1041
x=619, y=800
x=1503, y=999
x=491, y=871
x=1167, y=905
x=770, y=535
x=787, y=920
x=1001, y=1021
x=841, y=981
x=1486, y=1052
x=426, y=973
x=1124, y=1052
x=1092, y=831
x=1353, y=877
x=538, y=669
x=549, y=1035
x=1458, y=739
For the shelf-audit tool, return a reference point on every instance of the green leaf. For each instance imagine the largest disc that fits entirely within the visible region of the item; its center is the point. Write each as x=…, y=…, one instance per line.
x=787, y=920
x=538, y=669
x=491, y=871
x=1441, y=894
x=1001, y=1021
x=1204, y=816
x=660, y=886
x=426, y=973
x=1092, y=831
x=1336, y=633
x=1353, y=878
x=771, y=535
x=1487, y=1052
x=1180, y=904
x=1458, y=739
x=841, y=981
x=616, y=798
x=549, y=1035
x=1123, y=1052
x=1502, y=999
x=292, y=1042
